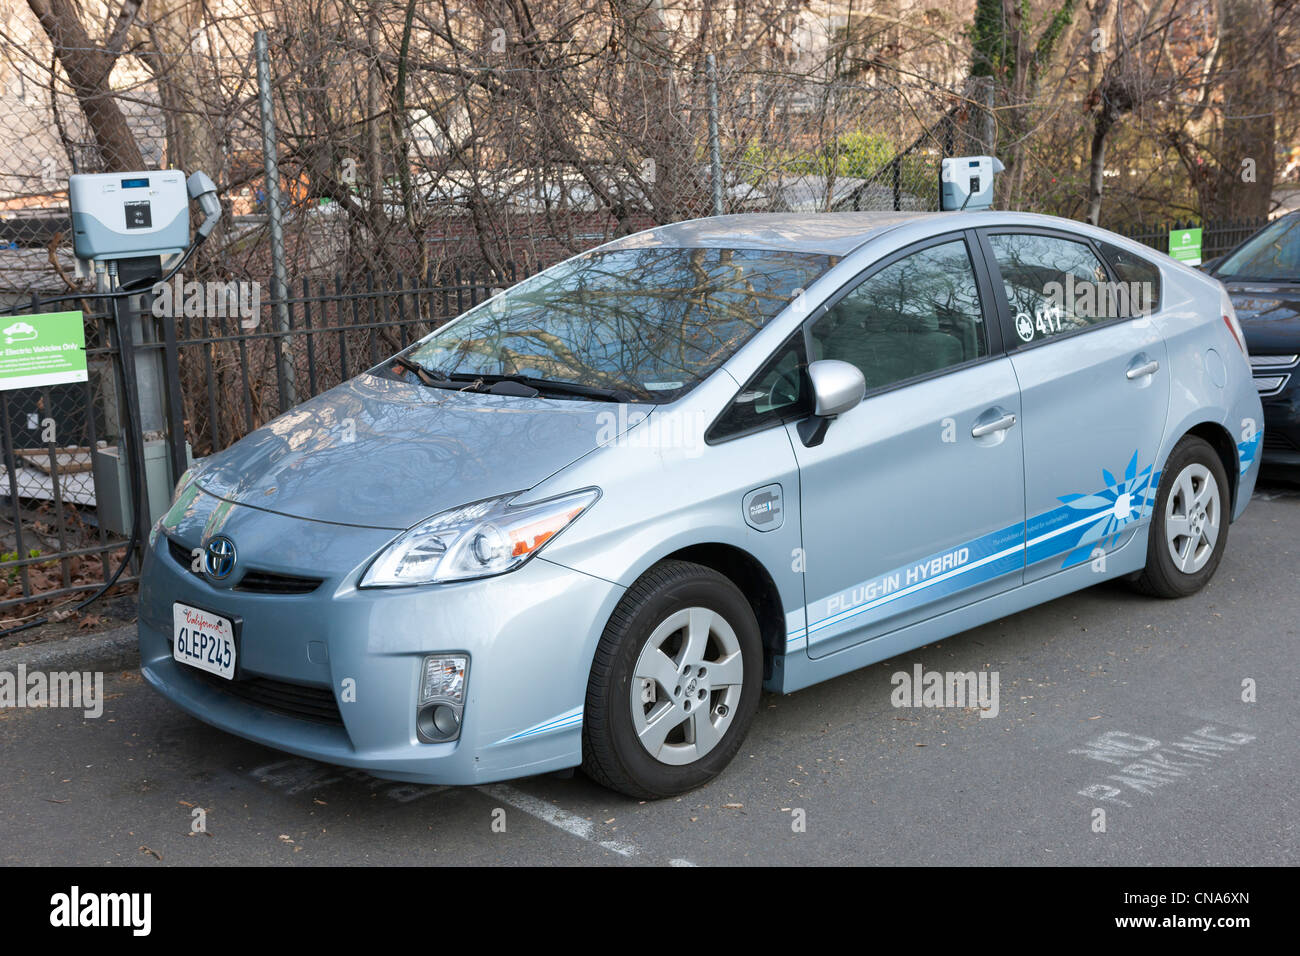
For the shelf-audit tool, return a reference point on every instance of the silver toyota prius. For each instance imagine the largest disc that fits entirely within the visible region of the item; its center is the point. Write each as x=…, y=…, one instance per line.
x=586, y=522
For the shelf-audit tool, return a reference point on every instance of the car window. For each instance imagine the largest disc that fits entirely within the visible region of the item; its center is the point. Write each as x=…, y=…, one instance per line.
x=1272, y=253
x=1053, y=285
x=1138, y=290
x=914, y=316
x=652, y=322
x=778, y=392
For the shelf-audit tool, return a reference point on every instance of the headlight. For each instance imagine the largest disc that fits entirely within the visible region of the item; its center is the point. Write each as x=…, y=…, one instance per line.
x=175, y=510
x=474, y=541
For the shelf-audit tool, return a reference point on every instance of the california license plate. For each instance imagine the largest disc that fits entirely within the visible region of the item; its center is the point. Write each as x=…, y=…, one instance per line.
x=203, y=640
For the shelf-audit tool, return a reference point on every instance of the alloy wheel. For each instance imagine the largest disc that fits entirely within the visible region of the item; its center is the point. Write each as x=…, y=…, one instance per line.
x=1193, y=513
x=686, y=685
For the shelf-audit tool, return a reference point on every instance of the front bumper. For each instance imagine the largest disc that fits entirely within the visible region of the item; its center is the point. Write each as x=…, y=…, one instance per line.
x=530, y=636
x=1282, y=427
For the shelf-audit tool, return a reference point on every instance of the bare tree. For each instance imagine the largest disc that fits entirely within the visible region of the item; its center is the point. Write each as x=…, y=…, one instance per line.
x=88, y=65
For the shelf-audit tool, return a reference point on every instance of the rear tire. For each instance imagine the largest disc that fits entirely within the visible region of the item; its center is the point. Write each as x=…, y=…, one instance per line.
x=674, y=685
x=1189, y=528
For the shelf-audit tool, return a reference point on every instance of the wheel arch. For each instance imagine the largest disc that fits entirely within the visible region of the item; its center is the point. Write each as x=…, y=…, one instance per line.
x=748, y=574
x=1218, y=438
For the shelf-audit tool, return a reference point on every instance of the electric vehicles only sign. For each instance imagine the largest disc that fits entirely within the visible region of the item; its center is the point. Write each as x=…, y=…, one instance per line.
x=45, y=349
x=1185, y=246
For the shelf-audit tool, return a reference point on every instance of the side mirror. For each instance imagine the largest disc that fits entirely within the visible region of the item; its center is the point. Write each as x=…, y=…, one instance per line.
x=837, y=387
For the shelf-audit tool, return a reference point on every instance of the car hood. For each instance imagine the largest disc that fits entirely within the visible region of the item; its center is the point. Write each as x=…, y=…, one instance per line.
x=382, y=453
x=1269, y=313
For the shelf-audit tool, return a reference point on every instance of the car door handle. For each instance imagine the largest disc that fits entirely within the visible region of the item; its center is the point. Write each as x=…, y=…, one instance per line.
x=1149, y=369
x=988, y=428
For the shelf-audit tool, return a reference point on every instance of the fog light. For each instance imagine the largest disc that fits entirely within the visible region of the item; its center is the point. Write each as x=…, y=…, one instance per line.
x=446, y=720
x=444, y=679
x=442, y=697
x=438, y=724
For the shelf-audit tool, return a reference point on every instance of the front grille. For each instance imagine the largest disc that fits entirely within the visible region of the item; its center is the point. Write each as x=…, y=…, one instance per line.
x=1269, y=384
x=1273, y=361
x=269, y=582
x=253, y=581
x=181, y=554
x=1276, y=441
x=294, y=700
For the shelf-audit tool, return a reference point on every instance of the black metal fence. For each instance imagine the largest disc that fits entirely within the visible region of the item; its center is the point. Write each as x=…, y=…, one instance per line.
x=235, y=373
x=1218, y=236
x=67, y=473
x=53, y=542
x=222, y=377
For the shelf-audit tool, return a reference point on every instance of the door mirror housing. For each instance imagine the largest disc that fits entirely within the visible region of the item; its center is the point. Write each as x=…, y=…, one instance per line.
x=837, y=387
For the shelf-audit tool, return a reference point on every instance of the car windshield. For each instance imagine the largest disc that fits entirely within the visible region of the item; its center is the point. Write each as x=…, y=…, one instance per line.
x=647, y=323
x=1273, y=254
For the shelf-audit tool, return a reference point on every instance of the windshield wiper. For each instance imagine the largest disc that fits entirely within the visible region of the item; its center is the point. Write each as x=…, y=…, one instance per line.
x=593, y=392
x=419, y=371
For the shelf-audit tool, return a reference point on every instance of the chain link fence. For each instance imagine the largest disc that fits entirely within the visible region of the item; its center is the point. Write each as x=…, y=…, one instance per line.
x=415, y=138
x=424, y=154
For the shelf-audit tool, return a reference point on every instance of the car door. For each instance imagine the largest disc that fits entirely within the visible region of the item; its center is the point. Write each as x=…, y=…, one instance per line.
x=1094, y=386
x=913, y=502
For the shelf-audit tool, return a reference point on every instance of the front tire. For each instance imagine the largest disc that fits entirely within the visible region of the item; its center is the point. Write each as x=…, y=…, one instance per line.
x=674, y=685
x=1189, y=528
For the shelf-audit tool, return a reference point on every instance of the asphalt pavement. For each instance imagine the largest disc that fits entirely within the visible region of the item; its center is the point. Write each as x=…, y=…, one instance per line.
x=1129, y=730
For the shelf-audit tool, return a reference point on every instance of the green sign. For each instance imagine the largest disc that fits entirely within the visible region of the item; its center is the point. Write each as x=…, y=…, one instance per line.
x=1185, y=246
x=46, y=349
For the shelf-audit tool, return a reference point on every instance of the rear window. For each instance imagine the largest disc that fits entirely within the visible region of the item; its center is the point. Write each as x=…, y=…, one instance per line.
x=1140, y=278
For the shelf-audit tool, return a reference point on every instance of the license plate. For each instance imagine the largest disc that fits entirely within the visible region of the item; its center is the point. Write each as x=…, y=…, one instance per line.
x=203, y=640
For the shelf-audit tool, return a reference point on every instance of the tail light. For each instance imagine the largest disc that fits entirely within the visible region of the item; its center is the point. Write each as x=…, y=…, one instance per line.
x=1230, y=320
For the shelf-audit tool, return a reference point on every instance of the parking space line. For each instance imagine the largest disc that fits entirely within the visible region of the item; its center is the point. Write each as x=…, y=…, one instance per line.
x=560, y=818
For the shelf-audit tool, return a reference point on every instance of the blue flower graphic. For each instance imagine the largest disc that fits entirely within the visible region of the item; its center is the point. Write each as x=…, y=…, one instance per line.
x=1246, y=450
x=1115, y=507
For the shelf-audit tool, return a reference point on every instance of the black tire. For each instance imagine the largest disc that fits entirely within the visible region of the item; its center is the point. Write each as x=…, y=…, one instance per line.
x=1162, y=577
x=612, y=753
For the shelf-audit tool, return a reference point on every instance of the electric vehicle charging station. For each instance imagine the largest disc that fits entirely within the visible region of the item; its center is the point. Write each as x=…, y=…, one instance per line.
x=124, y=215
x=123, y=225
x=966, y=182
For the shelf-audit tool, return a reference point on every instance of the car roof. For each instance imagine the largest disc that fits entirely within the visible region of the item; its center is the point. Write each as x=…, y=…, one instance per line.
x=830, y=233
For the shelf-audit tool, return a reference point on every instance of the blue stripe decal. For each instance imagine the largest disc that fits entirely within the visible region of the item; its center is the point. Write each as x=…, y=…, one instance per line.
x=914, y=584
x=572, y=718
x=1081, y=525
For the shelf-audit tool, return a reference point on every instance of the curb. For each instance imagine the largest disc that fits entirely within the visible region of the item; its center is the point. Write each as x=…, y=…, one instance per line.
x=115, y=649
